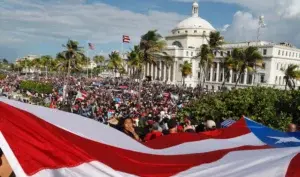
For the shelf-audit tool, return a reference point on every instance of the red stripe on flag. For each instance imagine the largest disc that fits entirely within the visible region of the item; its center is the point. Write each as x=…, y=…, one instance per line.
x=126, y=39
x=293, y=169
x=39, y=145
x=239, y=128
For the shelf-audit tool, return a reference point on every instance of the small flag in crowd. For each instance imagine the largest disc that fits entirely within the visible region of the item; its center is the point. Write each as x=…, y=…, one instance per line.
x=81, y=95
x=91, y=46
x=126, y=39
x=40, y=142
x=227, y=123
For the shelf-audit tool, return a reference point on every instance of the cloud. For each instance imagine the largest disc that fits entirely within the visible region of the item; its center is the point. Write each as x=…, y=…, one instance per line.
x=281, y=16
x=25, y=21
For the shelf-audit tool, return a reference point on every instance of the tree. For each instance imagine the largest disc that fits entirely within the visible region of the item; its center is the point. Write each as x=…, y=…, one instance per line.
x=135, y=60
x=73, y=54
x=5, y=61
x=291, y=74
x=206, y=59
x=271, y=107
x=227, y=65
x=36, y=64
x=98, y=59
x=151, y=43
x=243, y=59
x=115, y=62
x=206, y=55
x=46, y=63
x=186, y=70
x=215, y=41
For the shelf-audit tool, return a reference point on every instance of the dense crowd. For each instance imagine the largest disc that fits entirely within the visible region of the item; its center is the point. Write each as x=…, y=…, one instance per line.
x=117, y=102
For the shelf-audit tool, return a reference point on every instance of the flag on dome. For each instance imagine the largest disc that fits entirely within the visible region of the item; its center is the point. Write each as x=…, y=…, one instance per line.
x=39, y=142
x=126, y=39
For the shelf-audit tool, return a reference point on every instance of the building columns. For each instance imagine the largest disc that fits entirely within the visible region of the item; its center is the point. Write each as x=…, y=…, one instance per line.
x=230, y=77
x=158, y=70
x=211, y=74
x=245, y=76
x=218, y=72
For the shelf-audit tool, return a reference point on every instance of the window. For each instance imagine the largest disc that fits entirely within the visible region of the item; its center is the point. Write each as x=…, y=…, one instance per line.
x=199, y=65
x=290, y=54
x=195, y=31
x=186, y=31
x=262, y=78
x=228, y=53
x=178, y=32
x=286, y=53
x=222, y=53
x=213, y=88
x=278, y=52
x=187, y=53
x=279, y=83
x=177, y=43
x=277, y=66
x=198, y=75
x=264, y=65
x=192, y=54
x=265, y=52
x=215, y=53
x=276, y=80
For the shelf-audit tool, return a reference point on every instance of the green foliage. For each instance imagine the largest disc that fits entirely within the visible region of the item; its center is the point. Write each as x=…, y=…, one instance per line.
x=271, y=107
x=2, y=76
x=36, y=87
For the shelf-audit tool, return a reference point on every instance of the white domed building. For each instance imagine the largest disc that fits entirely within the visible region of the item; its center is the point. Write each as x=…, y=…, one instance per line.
x=184, y=43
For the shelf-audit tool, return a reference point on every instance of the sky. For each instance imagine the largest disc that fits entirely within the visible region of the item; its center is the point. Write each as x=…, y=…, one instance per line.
x=40, y=27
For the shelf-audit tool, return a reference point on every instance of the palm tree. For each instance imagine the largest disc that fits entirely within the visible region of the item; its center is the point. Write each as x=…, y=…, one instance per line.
x=248, y=58
x=151, y=43
x=215, y=41
x=186, y=69
x=227, y=65
x=206, y=55
x=36, y=64
x=115, y=62
x=135, y=60
x=206, y=59
x=291, y=74
x=73, y=54
x=98, y=59
x=45, y=63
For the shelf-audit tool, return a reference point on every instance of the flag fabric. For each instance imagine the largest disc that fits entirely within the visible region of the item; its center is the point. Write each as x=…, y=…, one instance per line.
x=126, y=39
x=227, y=123
x=91, y=46
x=39, y=142
x=81, y=95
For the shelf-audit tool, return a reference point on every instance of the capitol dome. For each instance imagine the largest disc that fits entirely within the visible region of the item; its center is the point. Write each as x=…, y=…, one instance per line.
x=195, y=22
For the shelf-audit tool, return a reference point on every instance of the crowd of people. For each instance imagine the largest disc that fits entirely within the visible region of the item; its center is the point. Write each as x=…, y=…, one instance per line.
x=118, y=103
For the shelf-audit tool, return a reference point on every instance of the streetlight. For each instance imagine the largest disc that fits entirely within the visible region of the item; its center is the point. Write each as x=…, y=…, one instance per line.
x=261, y=24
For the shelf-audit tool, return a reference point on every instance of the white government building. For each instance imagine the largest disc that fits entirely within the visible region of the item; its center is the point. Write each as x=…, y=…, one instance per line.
x=185, y=41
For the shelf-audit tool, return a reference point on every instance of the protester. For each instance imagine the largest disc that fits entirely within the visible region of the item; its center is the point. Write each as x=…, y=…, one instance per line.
x=292, y=128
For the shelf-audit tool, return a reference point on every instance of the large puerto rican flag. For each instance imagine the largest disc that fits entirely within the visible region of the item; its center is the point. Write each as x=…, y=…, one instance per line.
x=42, y=142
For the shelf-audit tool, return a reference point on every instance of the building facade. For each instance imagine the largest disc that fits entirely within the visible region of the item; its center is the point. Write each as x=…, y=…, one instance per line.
x=184, y=43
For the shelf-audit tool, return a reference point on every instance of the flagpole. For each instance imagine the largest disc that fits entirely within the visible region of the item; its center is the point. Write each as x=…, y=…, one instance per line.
x=87, y=61
x=122, y=48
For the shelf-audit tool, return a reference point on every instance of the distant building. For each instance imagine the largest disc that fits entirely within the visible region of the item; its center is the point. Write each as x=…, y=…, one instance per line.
x=184, y=44
x=28, y=69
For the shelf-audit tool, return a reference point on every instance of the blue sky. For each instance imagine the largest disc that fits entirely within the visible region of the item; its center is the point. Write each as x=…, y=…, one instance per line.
x=41, y=26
